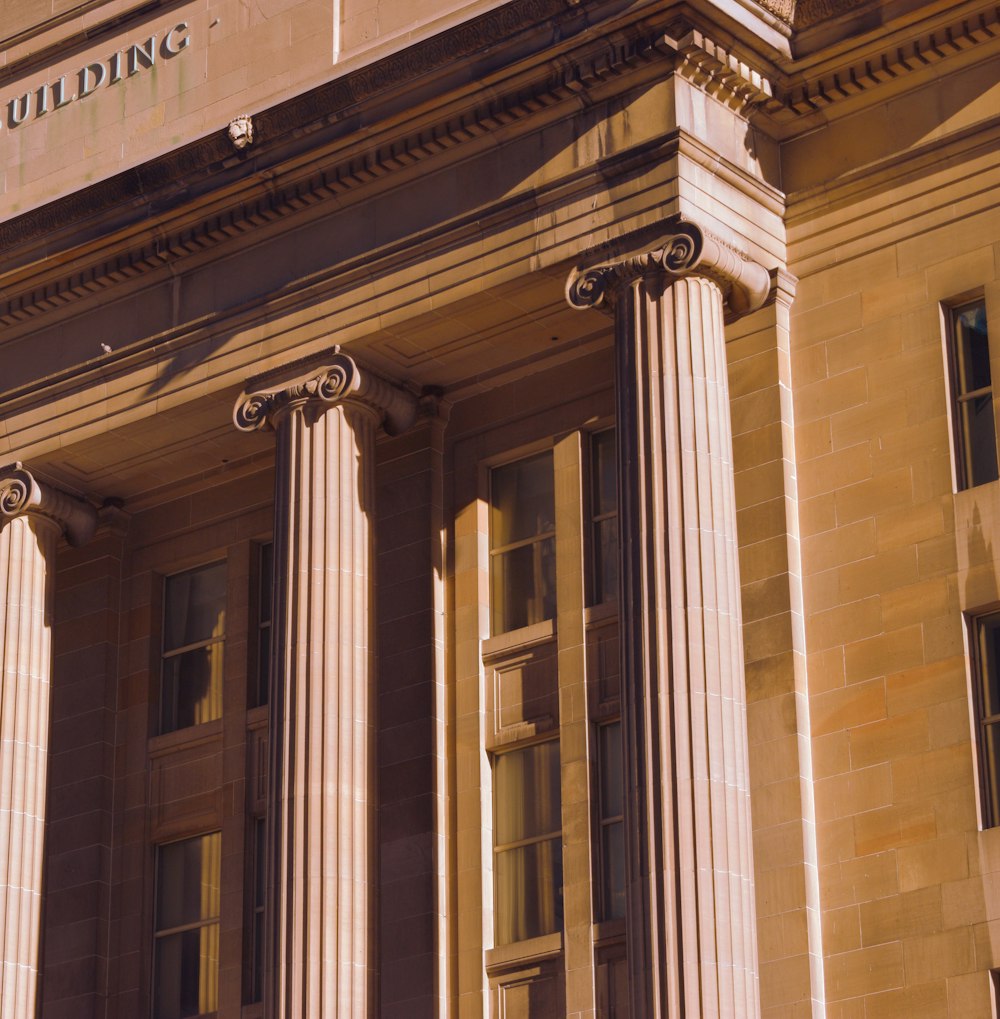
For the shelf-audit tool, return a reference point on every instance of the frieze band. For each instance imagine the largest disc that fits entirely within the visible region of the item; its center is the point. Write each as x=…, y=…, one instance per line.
x=339, y=379
x=22, y=493
x=684, y=249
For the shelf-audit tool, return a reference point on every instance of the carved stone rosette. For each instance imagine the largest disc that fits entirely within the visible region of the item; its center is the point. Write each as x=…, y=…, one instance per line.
x=690, y=909
x=32, y=515
x=321, y=869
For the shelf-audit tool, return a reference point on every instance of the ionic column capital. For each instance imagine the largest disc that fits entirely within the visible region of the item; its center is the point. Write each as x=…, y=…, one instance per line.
x=679, y=248
x=23, y=493
x=337, y=380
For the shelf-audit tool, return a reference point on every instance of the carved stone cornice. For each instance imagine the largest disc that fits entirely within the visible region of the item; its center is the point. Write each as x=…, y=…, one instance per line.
x=681, y=249
x=338, y=380
x=721, y=73
x=22, y=493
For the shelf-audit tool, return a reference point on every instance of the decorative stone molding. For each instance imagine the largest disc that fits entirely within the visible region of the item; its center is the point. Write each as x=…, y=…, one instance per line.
x=835, y=84
x=721, y=73
x=22, y=493
x=339, y=380
x=783, y=97
x=241, y=131
x=683, y=249
x=783, y=9
x=567, y=81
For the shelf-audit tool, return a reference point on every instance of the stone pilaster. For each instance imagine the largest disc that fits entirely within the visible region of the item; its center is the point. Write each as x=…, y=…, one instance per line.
x=33, y=515
x=323, y=878
x=690, y=910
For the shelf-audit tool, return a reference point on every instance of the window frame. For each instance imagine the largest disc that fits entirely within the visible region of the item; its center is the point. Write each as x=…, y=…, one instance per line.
x=203, y=922
x=603, y=822
x=989, y=785
x=535, y=541
x=962, y=459
x=584, y=696
x=164, y=656
x=555, y=835
x=595, y=519
x=241, y=731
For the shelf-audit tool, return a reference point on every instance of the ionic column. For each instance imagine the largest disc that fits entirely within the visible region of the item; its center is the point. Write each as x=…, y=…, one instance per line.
x=690, y=909
x=33, y=516
x=322, y=803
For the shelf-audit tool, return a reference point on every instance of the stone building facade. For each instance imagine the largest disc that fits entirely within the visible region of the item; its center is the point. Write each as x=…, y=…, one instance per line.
x=498, y=509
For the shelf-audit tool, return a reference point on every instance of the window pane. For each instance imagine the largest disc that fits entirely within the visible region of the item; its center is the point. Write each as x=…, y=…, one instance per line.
x=604, y=531
x=977, y=423
x=262, y=692
x=973, y=346
x=524, y=585
x=187, y=881
x=191, y=688
x=612, y=828
x=527, y=793
x=976, y=455
x=528, y=883
x=613, y=870
x=194, y=606
x=266, y=578
x=605, y=560
x=991, y=774
x=989, y=663
x=187, y=973
x=605, y=484
x=522, y=500
x=257, y=945
x=257, y=982
x=260, y=832
x=186, y=962
x=612, y=783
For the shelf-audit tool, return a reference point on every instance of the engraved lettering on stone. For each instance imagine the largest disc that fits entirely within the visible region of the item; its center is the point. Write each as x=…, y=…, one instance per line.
x=124, y=63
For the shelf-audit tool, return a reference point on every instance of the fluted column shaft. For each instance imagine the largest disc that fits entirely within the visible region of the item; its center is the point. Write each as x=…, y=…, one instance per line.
x=690, y=920
x=27, y=549
x=323, y=713
x=692, y=940
x=30, y=528
x=322, y=796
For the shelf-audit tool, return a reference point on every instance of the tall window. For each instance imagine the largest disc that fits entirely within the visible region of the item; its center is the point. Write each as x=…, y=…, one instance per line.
x=604, y=518
x=186, y=955
x=194, y=633
x=256, y=933
x=986, y=677
x=261, y=676
x=972, y=390
x=259, y=697
x=522, y=543
x=611, y=821
x=547, y=705
x=528, y=843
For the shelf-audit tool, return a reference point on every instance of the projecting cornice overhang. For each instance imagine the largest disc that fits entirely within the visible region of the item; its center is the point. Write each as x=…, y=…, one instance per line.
x=534, y=56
